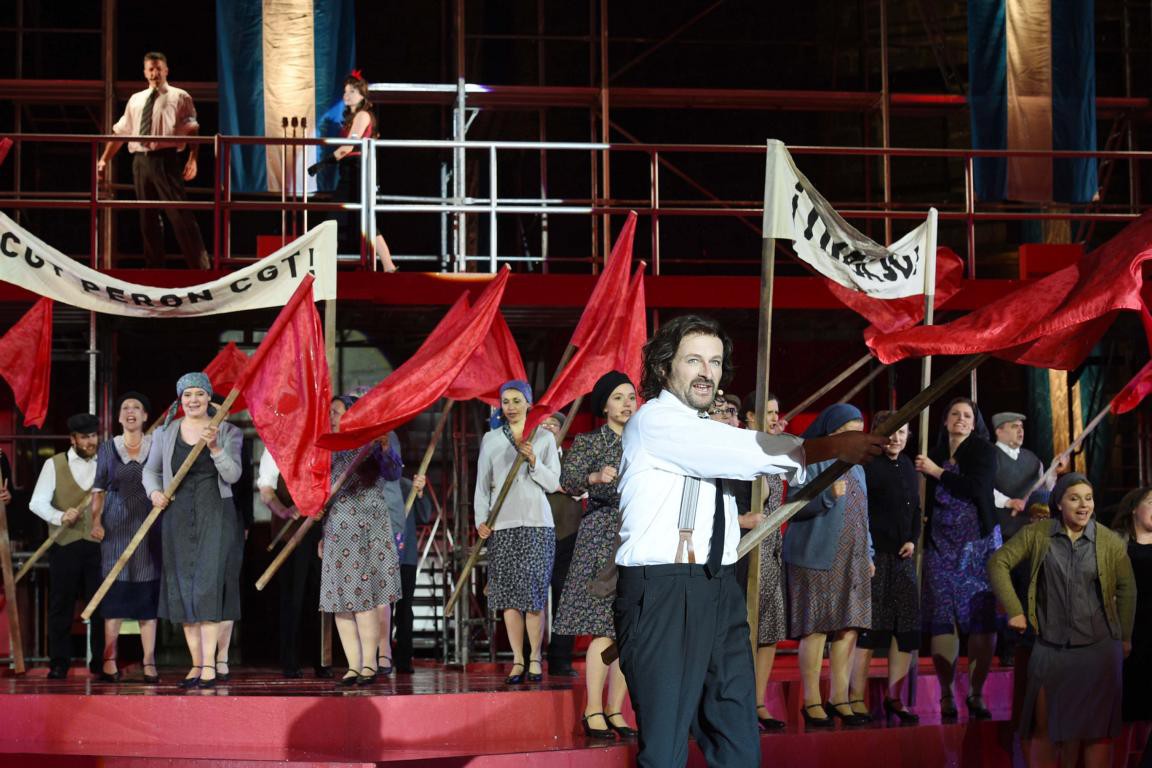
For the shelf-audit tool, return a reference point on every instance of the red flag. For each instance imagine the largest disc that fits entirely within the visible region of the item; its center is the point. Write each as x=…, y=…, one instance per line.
x=1140, y=386
x=494, y=362
x=26, y=361
x=607, y=349
x=225, y=369
x=425, y=377
x=288, y=392
x=5, y=145
x=610, y=287
x=630, y=357
x=1051, y=323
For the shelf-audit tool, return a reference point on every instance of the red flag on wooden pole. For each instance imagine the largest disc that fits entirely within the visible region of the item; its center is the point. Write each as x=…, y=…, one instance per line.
x=225, y=369
x=610, y=287
x=26, y=361
x=494, y=362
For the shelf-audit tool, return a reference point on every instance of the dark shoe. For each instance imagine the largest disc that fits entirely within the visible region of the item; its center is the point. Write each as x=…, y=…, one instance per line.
x=865, y=714
x=624, y=731
x=57, y=673
x=367, y=679
x=561, y=670
x=895, y=708
x=226, y=675
x=769, y=723
x=535, y=677
x=191, y=682
x=105, y=677
x=323, y=673
x=815, y=722
x=516, y=677
x=151, y=679
x=349, y=679
x=948, y=708
x=597, y=733
x=976, y=708
x=849, y=717
x=208, y=682
x=404, y=669
x=291, y=674
x=384, y=669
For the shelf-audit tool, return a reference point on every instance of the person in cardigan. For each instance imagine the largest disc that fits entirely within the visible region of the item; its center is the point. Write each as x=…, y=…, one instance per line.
x=1081, y=604
x=828, y=553
x=1133, y=521
x=894, y=522
x=592, y=464
x=119, y=506
x=60, y=498
x=360, y=576
x=522, y=544
x=960, y=534
x=200, y=527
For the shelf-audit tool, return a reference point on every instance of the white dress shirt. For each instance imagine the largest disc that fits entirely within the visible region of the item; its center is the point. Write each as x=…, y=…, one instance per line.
x=268, y=474
x=666, y=441
x=83, y=472
x=173, y=114
x=526, y=503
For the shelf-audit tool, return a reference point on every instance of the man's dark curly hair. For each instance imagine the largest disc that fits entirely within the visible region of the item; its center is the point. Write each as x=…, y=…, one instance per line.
x=661, y=349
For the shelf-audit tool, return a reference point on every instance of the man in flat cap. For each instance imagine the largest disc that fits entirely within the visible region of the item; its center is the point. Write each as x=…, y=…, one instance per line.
x=63, y=498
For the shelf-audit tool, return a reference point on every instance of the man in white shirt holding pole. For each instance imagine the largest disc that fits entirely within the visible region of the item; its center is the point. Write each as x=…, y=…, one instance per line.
x=681, y=624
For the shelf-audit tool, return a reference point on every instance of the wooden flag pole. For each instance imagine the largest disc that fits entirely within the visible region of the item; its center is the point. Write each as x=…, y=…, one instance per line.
x=830, y=475
x=47, y=545
x=863, y=383
x=169, y=492
x=284, y=529
x=11, y=607
x=426, y=462
x=835, y=382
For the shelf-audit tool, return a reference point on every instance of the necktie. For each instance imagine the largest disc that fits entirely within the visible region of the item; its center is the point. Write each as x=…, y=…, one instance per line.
x=716, y=543
x=146, y=115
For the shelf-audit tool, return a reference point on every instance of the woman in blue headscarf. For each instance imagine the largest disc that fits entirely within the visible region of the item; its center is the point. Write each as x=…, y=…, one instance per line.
x=522, y=542
x=828, y=553
x=201, y=535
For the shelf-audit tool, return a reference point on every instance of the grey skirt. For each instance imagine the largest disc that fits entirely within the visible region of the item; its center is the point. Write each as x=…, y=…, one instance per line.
x=1082, y=686
x=520, y=568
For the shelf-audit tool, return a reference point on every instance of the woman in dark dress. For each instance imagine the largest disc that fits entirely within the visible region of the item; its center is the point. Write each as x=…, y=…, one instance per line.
x=591, y=465
x=200, y=527
x=1081, y=604
x=960, y=535
x=1133, y=522
x=119, y=506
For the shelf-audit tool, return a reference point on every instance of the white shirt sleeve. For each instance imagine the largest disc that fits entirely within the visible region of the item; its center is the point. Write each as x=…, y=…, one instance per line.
x=482, y=503
x=546, y=473
x=268, y=475
x=41, y=503
x=1000, y=499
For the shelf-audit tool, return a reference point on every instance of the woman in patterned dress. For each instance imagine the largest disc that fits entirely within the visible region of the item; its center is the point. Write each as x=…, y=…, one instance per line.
x=361, y=569
x=960, y=535
x=828, y=552
x=592, y=464
x=119, y=506
x=522, y=542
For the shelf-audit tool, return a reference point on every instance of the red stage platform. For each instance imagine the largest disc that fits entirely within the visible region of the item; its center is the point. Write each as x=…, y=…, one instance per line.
x=434, y=717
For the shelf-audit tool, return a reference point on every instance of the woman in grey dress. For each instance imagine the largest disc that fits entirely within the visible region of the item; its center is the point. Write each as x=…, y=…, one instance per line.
x=361, y=570
x=200, y=530
x=119, y=506
x=1082, y=605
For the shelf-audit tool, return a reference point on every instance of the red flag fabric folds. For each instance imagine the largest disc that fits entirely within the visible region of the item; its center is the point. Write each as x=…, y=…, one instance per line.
x=1140, y=386
x=288, y=392
x=425, y=377
x=494, y=362
x=630, y=357
x=225, y=369
x=26, y=361
x=1051, y=323
x=610, y=287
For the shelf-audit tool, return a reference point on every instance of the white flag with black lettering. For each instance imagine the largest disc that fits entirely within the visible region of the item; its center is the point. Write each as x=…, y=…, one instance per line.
x=794, y=210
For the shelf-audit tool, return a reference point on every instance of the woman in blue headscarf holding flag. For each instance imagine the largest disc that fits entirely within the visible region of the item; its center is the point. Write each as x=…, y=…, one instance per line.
x=201, y=534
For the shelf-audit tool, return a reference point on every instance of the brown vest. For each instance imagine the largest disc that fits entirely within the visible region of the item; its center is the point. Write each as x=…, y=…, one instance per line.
x=69, y=494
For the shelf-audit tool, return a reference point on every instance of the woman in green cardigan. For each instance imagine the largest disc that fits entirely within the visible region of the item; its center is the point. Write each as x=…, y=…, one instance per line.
x=1081, y=603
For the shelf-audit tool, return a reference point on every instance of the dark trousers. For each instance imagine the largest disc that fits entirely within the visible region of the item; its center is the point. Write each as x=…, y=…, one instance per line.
x=560, y=646
x=74, y=574
x=158, y=175
x=683, y=640
x=402, y=618
x=299, y=598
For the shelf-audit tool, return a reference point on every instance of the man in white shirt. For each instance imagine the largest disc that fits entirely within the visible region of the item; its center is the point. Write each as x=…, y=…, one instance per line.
x=62, y=497
x=681, y=624
x=158, y=168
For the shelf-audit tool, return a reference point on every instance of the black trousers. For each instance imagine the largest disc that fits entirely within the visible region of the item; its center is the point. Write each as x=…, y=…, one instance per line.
x=74, y=574
x=402, y=618
x=159, y=175
x=683, y=640
x=299, y=598
x=560, y=646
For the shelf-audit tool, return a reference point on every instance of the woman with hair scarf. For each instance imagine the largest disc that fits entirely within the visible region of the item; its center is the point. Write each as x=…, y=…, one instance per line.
x=960, y=534
x=522, y=544
x=201, y=537
x=360, y=577
x=828, y=552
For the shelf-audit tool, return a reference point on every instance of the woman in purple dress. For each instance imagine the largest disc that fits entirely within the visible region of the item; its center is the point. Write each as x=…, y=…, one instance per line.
x=960, y=534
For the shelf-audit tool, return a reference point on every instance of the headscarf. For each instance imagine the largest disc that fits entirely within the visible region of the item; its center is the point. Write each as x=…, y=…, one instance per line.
x=192, y=380
x=831, y=419
x=348, y=400
x=604, y=388
x=1062, y=485
x=497, y=418
x=133, y=395
x=979, y=427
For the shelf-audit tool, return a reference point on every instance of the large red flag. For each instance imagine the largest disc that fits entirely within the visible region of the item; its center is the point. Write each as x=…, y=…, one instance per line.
x=225, y=369
x=1140, y=386
x=26, y=361
x=610, y=287
x=424, y=378
x=630, y=355
x=494, y=362
x=288, y=392
x=1051, y=323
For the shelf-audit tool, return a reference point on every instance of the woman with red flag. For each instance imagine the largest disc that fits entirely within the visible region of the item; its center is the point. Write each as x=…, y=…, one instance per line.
x=361, y=570
x=591, y=465
x=522, y=543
